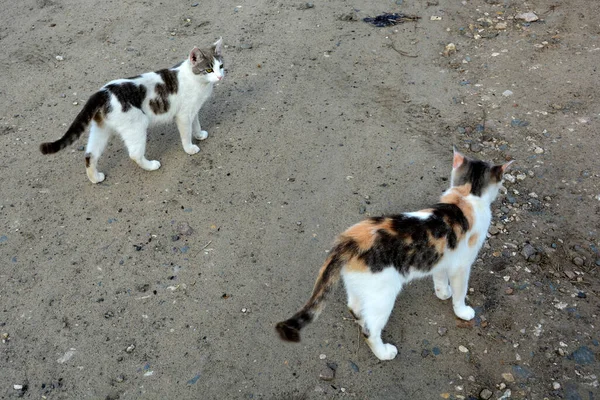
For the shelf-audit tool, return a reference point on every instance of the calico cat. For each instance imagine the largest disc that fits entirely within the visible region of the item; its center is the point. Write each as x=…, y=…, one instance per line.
x=377, y=256
x=129, y=106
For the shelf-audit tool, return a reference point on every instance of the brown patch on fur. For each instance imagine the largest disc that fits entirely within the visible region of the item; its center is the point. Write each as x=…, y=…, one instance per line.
x=356, y=265
x=87, y=160
x=438, y=243
x=456, y=196
x=473, y=239
x=160, y=104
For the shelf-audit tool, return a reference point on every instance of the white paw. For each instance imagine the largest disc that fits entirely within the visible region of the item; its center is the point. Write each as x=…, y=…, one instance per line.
x=97, y=178
x=201, y=136
x=387, y=352
x=465, y=312
x=443, y=293
x=193, y=149
x=153, y=165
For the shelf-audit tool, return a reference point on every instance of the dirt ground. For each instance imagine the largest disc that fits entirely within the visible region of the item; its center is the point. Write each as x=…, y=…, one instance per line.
x=167, y=284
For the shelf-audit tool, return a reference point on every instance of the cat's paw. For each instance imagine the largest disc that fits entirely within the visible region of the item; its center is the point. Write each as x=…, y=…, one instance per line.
x=387, y=352
x=443, y=293
x=465, y=312
x=97, y=177
x=193, y=149
x=201, y=136
x=152, y=165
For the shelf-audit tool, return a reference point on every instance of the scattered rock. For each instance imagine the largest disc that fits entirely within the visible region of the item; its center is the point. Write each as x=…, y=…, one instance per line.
x=501, y=26
x=529, y=252
x=485, y=394
x=527, y=17
x=245, y=46
x=130, y=348
x=476, y=147
x=442, y=331
x=555, y=385
x=508, y=377
x=353, y=366
x=583, y=356
x=493, y=230
x=184, y=229
x=327, y=374
x=305, y=6
x=322, y=356
x=463, y=349
x=449, y=49
x=507, y=93
x=578, y=261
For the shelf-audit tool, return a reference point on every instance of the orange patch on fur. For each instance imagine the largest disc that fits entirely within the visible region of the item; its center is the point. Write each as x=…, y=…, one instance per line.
x=362, y=233
x=456, y=196
x=356, y=265
x=473, y=240
x=439, y=244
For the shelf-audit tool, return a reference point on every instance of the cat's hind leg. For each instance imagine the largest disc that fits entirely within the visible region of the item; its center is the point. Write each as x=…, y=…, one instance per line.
x=135, y=141
x=197, y=132
x=96, y=144
x=441, y=284
x=377, y=294
x=459, y=281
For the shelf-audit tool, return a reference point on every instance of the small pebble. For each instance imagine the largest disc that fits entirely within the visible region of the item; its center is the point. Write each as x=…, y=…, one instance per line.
x=246, y=46
x=18, y=387
x=578, y=261
x=501, y=25
x=326, y=374
x=527, y=17
x=555, y=385
x=322, y=356
x=476, y=147
x=538, y=150
x=485, y=394
x=508, y=377
x=507, y=93
x=60, y=58
x=463, y=349
x=130, y=348
x=442, y=331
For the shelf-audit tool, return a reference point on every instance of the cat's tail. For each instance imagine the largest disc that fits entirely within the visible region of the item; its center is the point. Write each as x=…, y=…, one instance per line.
x=96, y=107
x=329, y=275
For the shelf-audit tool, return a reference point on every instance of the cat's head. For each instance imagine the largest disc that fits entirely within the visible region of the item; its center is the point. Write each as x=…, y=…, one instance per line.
x=208, y=63
x=485, y=179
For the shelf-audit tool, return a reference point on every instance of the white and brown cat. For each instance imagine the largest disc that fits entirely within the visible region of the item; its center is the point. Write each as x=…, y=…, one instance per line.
x=128, y=107
x=377, y=256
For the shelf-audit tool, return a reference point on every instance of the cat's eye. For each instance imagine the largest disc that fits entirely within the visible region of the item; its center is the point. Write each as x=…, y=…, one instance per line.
x=222, y=66
x=209, y=70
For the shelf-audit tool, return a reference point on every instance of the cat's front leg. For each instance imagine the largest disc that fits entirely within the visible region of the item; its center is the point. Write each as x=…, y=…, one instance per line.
x=459, y=281
x=197, y=132
x=185, y=126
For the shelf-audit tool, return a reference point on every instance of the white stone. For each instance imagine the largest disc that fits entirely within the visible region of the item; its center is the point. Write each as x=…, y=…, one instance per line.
x=527, y=17
x=507, y=93
x=463, y=349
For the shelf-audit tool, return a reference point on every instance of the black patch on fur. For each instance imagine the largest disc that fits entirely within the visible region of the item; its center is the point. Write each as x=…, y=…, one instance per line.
x=454, y=216
x=99, y=102
x=289, y=330
x=129, y=94
x=87, y=160
x=475, y=172
x=410, y=246
x=160, y=104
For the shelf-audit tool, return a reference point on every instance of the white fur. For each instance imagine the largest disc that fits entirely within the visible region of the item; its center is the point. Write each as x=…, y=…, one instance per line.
x=371, y=296
x=132, y=125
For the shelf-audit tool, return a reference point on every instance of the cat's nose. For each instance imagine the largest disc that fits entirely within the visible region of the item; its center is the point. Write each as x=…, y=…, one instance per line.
x=219, y=77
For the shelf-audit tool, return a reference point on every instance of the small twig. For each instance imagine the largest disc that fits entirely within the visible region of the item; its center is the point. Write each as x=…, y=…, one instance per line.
x=401, y=52
x=205, y=246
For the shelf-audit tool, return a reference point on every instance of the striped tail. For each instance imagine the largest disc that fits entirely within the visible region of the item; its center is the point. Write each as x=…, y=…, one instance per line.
x=98, y=101
x=329, y=275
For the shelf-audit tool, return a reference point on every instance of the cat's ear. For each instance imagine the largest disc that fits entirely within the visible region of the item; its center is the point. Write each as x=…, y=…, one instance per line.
x=505, y=166
x=196, y=56
x=217, y=47
x=458, y=160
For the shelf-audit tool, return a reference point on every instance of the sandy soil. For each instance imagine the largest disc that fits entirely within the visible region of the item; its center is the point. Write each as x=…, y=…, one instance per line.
x=167, y=284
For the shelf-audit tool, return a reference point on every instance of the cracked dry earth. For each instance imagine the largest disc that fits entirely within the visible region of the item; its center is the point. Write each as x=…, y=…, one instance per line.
x=168, y=284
